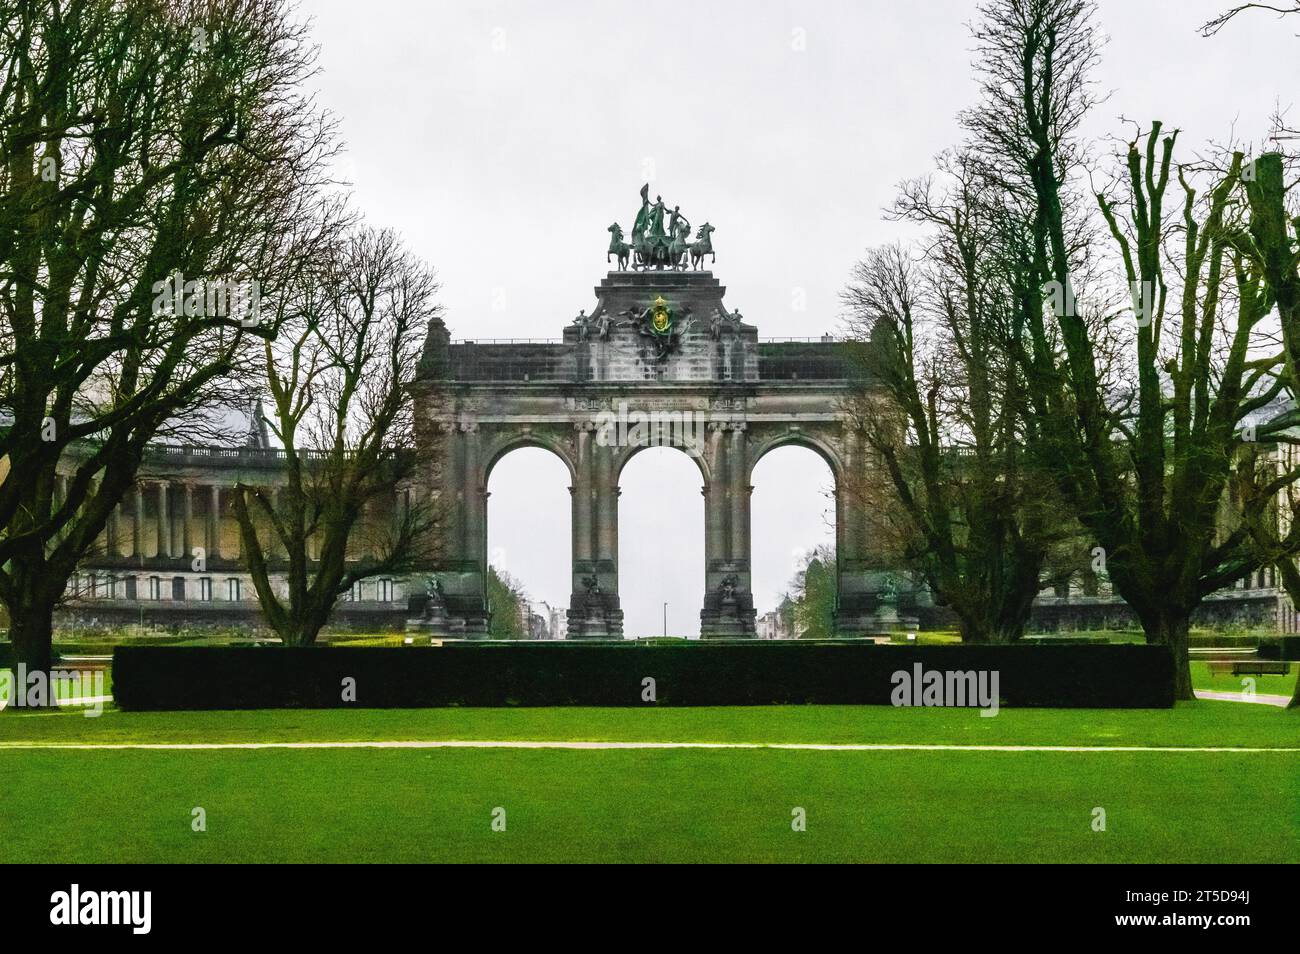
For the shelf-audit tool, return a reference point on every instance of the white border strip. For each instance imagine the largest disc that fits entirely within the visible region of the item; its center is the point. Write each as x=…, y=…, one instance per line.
x=583, y=746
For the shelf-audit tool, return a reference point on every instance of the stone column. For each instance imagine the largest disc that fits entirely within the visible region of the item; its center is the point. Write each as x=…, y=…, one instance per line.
x=137, y=524
x=862, y=609
x=606, y=532
x=715, y=500
x=582, y=504
x=276, y=547
x=728, y=604
x=472, y=490
x=453, y=491
x=189, y=517
x=739, y=489
x=606, y=514
x=214, y=523
x=475, y=496
x=114, y=531
x=453, y=485
x=164, y=527
x=585, y=619
x=593, y=609
x=238, y=546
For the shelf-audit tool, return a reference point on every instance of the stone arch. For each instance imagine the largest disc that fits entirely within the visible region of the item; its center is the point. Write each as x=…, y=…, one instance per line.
x=816, y=443
x=625, y=455
x=790, y=514
x=503, y=443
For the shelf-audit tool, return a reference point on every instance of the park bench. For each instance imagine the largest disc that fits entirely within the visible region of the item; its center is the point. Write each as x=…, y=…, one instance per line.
x=1249, y=667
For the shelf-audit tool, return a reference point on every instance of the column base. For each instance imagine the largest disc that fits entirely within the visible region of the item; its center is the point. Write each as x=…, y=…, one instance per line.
x=436, y=627
x=884, y=621
x=461, y=613
x=605, y=624
x=728, y=611
x=737, y=626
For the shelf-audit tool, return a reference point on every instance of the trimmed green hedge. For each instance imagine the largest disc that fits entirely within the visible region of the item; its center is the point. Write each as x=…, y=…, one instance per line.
x=565, y=674
x=1280, y=647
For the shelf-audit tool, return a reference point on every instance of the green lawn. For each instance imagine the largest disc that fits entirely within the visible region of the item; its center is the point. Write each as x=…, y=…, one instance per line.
x=392, y=805
x=1194, y=723
x=1225, y=682
x=662, y=805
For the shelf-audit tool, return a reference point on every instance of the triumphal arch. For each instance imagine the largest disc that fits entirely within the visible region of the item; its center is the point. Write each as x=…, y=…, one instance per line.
x=658, y=360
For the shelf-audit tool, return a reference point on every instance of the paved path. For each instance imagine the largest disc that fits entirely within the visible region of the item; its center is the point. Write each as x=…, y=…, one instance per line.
x=1259, y=698
x=74, y=701
x=551, y=744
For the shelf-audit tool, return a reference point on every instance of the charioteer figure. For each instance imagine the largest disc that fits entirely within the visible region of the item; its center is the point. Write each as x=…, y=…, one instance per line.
x=653, y=245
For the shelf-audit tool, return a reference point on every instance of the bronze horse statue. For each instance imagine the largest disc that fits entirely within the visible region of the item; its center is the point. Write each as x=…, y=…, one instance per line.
x=704, y=246
x=678, y=247
x=618, y=247
x=651, y=250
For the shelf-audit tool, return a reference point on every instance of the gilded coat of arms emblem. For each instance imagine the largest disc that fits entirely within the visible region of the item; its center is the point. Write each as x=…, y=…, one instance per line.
x=659, y=322
x=661, y=317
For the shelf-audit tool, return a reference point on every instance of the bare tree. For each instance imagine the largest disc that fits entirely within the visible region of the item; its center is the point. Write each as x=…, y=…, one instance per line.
x=1275, y=234
x=347, y=347
x=974, y=516
x=1145, y=469
x=1213, y=26
x=157, y=158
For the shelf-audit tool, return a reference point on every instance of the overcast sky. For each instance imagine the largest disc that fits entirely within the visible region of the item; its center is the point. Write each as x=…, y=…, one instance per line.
x=502, y=138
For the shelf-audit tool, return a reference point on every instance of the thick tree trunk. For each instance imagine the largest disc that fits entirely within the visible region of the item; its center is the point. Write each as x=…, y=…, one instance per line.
x=994, y=636
x=303, y=634
x=1170, y=630
x=31, y=629
x=1000, y=623
x=1295, y=696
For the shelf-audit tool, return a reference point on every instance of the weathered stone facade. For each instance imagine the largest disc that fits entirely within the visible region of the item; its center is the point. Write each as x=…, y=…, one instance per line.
x=719, y=393
x=171, y=553
x=609, y=387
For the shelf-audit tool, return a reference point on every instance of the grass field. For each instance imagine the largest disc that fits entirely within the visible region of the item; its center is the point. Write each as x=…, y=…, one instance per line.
x=1274, y=685
x=411, y=804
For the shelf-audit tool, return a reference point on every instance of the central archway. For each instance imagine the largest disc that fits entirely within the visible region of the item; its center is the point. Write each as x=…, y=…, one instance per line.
x=661, y=543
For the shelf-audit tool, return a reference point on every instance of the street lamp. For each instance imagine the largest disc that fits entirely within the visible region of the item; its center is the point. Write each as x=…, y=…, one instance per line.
x=665, y=620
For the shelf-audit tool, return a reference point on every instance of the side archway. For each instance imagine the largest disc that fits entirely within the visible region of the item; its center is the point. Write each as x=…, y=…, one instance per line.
x=527, y=549
x=794, y=519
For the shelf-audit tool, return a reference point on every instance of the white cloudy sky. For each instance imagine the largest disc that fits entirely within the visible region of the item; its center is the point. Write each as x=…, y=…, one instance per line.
x=501, y=138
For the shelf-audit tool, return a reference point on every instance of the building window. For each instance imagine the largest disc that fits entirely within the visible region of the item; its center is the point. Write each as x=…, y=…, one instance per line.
x=232, y=589
x=205, y=589
x=132, y=591
x=385, y=591
x=355, y=594
x=155, y=588
x=178, y=588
